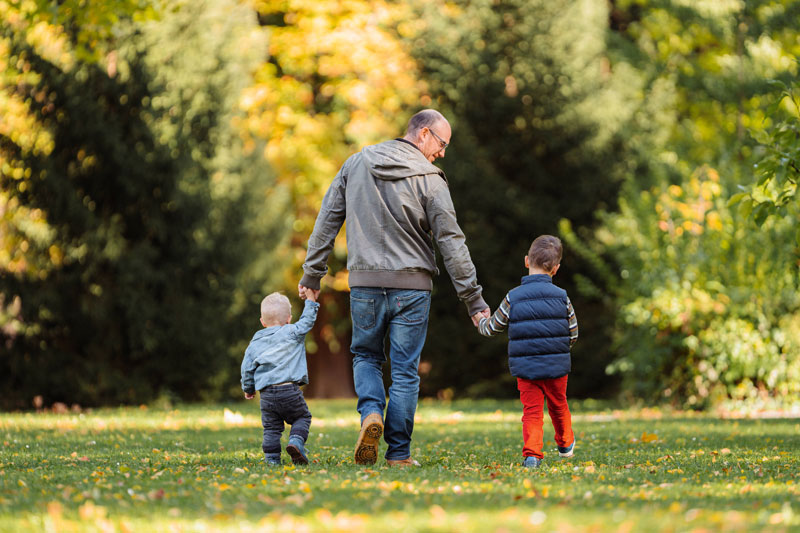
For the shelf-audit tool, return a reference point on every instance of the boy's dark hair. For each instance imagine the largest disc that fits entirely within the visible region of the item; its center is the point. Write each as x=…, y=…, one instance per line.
x=545, y=252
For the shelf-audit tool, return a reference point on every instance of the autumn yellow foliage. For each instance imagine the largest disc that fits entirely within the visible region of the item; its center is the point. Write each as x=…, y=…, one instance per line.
x=337, y=79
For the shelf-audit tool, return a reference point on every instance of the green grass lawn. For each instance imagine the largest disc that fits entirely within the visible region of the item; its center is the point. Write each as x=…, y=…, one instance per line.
x=195, y=469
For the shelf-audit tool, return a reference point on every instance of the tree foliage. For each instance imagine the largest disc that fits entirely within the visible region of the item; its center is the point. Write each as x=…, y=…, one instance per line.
x=707, y=304
x=318, y=98
x=539, y=117
x=89, y=25
x=774, y=194
x=335, y=79
x=162, y=164
x=129, y=205
x=708, y=308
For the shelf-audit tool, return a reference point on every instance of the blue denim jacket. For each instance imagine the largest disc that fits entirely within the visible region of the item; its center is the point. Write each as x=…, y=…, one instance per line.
x=277, y=354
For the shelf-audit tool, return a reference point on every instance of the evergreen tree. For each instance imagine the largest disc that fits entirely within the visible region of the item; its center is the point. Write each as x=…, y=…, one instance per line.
x=150, y=207
x=539, y=121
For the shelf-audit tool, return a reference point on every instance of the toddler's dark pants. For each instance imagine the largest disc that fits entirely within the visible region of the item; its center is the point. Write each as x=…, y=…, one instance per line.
x=279, y=404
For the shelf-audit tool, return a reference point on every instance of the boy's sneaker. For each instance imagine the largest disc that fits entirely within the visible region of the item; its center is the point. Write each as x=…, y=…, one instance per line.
x=272, y=459
x=567, y=452
x=296, y=450
x=367, y=445
x=531, y=462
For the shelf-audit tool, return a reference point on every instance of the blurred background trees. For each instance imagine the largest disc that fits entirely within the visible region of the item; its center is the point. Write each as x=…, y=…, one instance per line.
x=129, y=208
x=541, y=127
x=706, y=296
x=162, y=164
x=334, y=78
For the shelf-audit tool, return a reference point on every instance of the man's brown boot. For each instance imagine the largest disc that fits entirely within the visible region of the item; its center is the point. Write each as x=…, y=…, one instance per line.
x=367, y=444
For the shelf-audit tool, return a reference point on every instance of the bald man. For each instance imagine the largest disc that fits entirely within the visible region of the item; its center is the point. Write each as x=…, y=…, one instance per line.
x=397, y=204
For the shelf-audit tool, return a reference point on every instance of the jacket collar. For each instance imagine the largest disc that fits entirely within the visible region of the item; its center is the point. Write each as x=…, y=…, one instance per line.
x=266, y=332
x=537, y=278
x=408, y=142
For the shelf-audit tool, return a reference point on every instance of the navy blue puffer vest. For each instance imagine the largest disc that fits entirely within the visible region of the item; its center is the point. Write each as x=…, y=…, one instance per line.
x=538, y=329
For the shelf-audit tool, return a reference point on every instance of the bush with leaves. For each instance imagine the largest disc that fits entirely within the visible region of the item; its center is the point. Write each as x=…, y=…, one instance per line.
x=775, y=192
x=705, y=300
x=708, y=306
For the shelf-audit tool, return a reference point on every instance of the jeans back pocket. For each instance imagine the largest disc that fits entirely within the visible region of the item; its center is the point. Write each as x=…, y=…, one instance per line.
x=413, y=308
x=362, y=312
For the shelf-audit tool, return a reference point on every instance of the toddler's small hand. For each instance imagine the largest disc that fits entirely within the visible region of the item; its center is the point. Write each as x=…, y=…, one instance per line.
x=311, y=294
x=476, y=318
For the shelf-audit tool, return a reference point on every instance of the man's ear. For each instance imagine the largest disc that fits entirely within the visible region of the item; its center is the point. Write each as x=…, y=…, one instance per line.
x=555, y=269
x=527, y=262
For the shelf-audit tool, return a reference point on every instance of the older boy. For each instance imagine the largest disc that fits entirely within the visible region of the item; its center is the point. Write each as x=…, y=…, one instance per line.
x=275, y=364
x=541, y=329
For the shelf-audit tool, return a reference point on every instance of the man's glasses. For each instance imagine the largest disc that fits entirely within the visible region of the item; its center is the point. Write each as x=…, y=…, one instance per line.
x=442, y=144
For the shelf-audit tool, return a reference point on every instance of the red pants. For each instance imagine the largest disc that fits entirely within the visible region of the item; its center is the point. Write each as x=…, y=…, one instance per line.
x=532, y=393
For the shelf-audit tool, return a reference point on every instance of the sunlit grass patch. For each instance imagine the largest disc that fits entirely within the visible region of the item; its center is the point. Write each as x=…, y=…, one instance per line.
x=200, y=468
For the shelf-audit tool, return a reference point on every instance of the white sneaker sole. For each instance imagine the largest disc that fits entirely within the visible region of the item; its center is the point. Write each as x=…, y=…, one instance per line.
x=570, y=453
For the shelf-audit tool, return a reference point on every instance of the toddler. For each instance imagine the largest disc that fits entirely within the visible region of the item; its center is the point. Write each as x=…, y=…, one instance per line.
x=275, y=365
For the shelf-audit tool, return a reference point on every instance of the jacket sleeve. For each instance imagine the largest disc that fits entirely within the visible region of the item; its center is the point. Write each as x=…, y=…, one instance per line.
x=573, y=323
x=452, y=245
x=248, y=370
x=329, y=221
x=498, y=322
x=307, y=319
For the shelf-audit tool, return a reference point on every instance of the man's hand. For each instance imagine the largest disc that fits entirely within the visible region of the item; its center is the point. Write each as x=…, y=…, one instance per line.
x=476, y=318
x=249, y=396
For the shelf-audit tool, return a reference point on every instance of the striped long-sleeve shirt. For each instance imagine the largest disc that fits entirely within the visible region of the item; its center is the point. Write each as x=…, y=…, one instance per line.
x=489, y=327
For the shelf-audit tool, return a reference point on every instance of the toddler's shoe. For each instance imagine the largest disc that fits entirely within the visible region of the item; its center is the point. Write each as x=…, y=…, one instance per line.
x=531, y=462
x=272, y=459
x=296, y=450
x=567, y=452
x=367, y=444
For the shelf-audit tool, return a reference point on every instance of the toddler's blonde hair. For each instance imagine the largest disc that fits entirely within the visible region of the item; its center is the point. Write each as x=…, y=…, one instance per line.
x=275, y=308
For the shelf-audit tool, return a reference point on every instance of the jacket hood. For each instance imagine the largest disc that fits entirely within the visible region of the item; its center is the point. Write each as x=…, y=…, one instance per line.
x=396, y=160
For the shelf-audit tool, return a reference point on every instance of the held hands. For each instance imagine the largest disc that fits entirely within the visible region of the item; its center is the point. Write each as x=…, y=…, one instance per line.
x=307, y=294
x=249, y=396
x=476, y=318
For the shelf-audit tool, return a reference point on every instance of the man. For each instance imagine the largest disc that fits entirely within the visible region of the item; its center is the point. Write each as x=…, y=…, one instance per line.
x=395, y=202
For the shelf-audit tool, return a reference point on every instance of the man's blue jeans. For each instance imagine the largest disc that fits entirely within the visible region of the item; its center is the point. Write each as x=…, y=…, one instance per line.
x=402, y=315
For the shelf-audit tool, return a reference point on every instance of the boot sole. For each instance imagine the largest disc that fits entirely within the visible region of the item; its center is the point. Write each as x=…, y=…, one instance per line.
x=367, y=445
x=297, y=457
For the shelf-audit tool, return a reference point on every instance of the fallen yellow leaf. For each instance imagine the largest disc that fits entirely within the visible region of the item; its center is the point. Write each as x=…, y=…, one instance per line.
x=649, y=437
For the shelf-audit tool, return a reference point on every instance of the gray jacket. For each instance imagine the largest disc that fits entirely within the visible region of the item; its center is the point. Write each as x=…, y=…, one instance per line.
x=396, y=203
